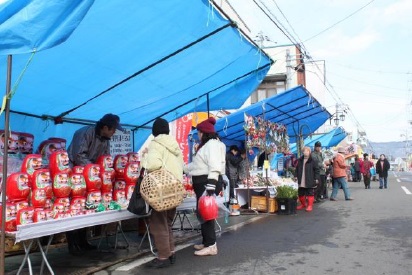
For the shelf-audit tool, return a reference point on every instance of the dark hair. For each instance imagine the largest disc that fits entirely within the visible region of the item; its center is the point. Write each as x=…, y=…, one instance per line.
x=206, y=137
x=382, y=155
x=234, y=147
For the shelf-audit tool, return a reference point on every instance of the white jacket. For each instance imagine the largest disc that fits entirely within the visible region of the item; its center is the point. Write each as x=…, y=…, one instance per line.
x=210, y=160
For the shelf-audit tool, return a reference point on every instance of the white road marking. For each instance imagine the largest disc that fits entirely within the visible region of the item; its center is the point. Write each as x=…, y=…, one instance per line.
x=146, y=259
x=406, y=190
x=398, y=180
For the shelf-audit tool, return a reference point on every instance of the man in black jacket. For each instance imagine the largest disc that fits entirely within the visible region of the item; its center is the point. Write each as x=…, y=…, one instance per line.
x=382, y=168
x=232, y=168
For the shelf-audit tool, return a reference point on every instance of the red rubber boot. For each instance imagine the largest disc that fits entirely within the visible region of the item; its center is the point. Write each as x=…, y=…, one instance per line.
x=310, y=203
x=302, y=205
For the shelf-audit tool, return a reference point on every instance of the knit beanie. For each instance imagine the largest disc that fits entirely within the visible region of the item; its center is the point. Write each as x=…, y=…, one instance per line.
x=207, y=126
x=160, y=126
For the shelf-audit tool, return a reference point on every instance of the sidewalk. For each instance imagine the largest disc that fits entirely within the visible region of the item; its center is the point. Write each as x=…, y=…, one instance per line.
x=92, y=261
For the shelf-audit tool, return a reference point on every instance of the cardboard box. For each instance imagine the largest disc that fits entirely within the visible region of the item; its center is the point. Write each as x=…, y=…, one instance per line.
x=259, y=203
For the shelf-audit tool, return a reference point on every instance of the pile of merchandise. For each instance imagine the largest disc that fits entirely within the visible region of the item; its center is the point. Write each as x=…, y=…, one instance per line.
x=40, y=192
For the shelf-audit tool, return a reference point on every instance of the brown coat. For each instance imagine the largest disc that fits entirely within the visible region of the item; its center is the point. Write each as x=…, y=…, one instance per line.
x=339, y=166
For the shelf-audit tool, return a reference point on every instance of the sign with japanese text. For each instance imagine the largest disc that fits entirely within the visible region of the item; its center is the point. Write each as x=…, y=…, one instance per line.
x=121, y=143
x=183, y=127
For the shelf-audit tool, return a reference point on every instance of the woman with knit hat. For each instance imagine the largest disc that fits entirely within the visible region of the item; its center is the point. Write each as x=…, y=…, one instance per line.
x=163, y=150
x=207, y=165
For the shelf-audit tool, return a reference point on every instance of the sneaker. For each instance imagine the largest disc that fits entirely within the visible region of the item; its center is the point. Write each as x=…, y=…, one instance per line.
x=333, y=199
x=172, y=258
x=349, y=199
x=207, y=251
x=199, y=246
x=156, y=263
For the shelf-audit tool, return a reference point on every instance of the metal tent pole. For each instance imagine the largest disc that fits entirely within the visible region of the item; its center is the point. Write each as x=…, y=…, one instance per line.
x=4, y=176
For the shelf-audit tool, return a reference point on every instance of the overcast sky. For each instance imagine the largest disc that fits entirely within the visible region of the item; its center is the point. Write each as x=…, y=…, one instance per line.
x=368, y=55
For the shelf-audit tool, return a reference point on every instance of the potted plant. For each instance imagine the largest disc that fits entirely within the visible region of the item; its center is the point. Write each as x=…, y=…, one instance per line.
x=286, y=198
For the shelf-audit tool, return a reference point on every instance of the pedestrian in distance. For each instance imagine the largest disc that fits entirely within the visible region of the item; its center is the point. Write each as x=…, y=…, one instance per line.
x=163, y=151
x=307, y=173
x=318, y=157
x=382, y=168
x=339, y=176
x=357, y=169
x=208, y=164
x=366, y=166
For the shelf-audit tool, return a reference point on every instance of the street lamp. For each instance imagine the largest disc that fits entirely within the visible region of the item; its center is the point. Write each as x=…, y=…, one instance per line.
x=339, y=115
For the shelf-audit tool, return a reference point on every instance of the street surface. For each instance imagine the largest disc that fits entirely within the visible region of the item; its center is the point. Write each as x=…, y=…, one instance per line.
x=370, y=235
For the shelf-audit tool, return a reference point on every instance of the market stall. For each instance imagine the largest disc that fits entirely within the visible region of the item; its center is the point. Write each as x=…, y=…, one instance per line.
x=164, y=76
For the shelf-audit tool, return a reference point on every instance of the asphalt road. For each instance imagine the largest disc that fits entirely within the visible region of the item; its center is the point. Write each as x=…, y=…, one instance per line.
x=370, y=235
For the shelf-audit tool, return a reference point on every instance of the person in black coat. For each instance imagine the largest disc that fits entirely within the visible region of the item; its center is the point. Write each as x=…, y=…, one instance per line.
x=382, y=168
x=307, y=173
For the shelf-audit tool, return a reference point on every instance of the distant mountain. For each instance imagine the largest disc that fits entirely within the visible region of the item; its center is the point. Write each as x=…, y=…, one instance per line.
x=392, y=149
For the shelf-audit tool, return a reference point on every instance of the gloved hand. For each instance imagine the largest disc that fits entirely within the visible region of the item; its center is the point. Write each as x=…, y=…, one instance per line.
x=211, y=186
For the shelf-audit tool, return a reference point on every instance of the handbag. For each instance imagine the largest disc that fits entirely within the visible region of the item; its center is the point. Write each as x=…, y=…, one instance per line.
x=137, y=204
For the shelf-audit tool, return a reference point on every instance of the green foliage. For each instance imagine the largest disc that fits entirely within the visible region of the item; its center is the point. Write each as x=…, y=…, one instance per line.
x=286, y=192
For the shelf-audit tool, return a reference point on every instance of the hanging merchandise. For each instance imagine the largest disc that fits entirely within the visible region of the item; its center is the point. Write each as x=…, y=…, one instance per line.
x=266, y=135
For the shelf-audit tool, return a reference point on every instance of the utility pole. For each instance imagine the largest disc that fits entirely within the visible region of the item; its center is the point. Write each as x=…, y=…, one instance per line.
x=288, y=69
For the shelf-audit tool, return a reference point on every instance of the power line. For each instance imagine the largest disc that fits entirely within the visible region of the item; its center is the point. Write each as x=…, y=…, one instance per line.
x=340, y=21
x=368, y=70
x=277, y=6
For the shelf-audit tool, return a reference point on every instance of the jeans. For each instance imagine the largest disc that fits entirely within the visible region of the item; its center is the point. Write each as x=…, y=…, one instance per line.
x=383, y=182
x=340, y=182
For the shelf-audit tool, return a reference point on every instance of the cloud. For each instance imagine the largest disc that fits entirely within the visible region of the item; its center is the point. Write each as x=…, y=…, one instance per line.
x=347, y=45
x=398, y=13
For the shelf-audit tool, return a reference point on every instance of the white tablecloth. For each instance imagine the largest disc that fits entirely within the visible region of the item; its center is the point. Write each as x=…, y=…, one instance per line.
x=51, y=227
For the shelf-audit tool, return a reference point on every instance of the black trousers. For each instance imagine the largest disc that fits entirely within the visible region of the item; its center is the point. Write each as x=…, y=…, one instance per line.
x=207, y=228
x=320, y=190
x=303, y=191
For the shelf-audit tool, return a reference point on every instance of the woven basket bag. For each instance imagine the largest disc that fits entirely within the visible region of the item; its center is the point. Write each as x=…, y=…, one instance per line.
x=161, y=190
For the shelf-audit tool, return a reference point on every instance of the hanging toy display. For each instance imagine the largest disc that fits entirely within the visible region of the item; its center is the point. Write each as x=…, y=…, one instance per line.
x=41, y=179
x=61, y=185
x=31, y=163
x=17, y=185
x=120, y=162
x=78, y=185
x=91, y=174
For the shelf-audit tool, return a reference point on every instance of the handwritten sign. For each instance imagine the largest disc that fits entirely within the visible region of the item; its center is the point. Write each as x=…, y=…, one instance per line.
x=121, y=143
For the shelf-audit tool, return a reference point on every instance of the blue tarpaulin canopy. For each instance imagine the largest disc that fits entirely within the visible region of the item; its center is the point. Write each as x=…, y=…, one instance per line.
x=330, y=139
x=295, y=108
x=138, y=59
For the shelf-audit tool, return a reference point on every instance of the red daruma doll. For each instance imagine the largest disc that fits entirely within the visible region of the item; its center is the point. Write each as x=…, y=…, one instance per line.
x=131, y=173
x=133, y=157
x=31, y=163
x=78, y=169
x=129, y=191
x=81, y=201
x=120, y=162
x=105, y=162
x=78, y=185
x=41, y=179
x=38, y=198
x=65, y=202
x=17, y=187
x=61, y=185
x=59, y=162
x=11, y=213
x=91, y=174
x=94, y=198
x=25, y=216
x=107, y=180
x=40, y=215
x=107, y=197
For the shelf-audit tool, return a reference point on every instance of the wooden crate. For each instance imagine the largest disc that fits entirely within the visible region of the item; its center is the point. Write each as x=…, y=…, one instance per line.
x=259, y=203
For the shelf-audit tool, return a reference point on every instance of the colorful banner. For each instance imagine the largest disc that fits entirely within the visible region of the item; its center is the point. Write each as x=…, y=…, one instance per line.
x=183, y=128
